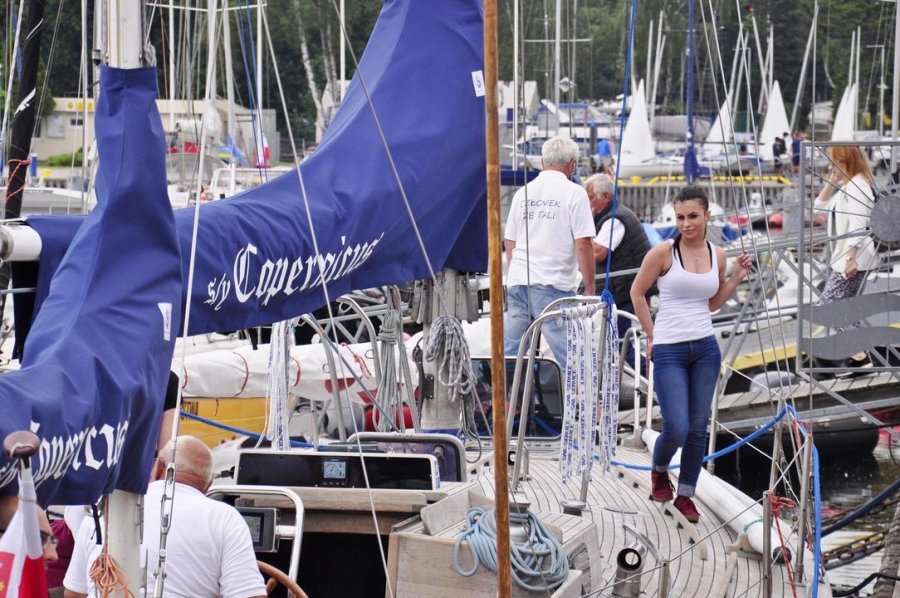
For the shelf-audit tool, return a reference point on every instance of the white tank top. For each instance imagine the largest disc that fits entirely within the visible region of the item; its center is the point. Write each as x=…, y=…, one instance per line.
x=684, y=302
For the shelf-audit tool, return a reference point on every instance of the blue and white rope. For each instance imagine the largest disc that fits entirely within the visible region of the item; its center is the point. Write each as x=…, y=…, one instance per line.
x=581, y=391
x=608, y=425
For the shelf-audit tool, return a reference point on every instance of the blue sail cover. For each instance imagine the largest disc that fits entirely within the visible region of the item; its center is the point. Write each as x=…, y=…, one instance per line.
x=257, y=262
x=96, y=361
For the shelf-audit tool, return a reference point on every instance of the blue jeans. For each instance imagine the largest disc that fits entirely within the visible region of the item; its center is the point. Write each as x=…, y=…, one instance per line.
x=518, y=317
x=685, y=375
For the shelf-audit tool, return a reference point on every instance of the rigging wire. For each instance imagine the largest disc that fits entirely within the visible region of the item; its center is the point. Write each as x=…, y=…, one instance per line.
x=324, y=283
x=167, y=499
x=744, y=196
x=4, y=141
x=46, y=83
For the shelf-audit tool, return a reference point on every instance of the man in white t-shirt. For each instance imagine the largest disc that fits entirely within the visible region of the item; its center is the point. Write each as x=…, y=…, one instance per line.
x=548, y=240
x=209, y=552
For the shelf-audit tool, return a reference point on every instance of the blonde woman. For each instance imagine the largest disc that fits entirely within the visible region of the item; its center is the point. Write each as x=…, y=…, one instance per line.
x=848, y=197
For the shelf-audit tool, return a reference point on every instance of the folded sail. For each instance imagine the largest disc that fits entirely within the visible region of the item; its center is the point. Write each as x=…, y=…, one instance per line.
x=257, y=261
x=97, y=358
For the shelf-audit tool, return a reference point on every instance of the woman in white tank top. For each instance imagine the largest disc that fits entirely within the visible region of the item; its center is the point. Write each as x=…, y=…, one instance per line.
x=690, y=274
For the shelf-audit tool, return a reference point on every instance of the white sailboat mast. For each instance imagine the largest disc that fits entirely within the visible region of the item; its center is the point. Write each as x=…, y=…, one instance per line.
x=802, y=83
x=516, y=83
x=557, y=53
x=895, y=98
x=856, y=80
x=229, y=74
x=660, y=45
x=121, y=36
x=764, y=92
x=171, y=65
x=649, y=73
x=343, y=53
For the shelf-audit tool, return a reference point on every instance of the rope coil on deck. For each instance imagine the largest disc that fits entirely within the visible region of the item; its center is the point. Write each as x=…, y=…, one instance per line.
x=530, y=567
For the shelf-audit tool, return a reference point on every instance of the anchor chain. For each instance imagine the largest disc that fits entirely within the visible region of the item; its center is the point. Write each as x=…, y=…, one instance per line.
x=853, y=551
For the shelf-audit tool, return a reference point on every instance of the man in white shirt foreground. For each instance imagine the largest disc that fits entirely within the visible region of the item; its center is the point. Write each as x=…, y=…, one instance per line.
x=209, y=549
x=548, y=240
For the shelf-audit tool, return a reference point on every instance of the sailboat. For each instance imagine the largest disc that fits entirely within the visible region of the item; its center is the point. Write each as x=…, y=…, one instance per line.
x=775, y=124
x=638, y=156
x=282, y=249
x=717, y=152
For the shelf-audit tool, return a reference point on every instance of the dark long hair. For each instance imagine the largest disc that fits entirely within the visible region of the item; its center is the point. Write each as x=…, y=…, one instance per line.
x=691, y=193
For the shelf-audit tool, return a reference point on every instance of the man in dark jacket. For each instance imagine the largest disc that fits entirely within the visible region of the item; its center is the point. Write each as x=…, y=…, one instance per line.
x=623, y=236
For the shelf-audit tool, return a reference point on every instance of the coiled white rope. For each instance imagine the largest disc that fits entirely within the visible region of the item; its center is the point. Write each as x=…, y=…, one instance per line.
x=539, y=563
x=388, y=394
x=277, y=386
x=447, y=341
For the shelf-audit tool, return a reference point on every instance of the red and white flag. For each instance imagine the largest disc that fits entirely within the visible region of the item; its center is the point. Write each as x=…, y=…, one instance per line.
x=22, y=573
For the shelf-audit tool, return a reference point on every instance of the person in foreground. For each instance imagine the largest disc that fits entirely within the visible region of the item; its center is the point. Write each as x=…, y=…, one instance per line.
x=8, y=507
x=690, y=274
x=848, y=197
x=548, y=240
x=209, y=549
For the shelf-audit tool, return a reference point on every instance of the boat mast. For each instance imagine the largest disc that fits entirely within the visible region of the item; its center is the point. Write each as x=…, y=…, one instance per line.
x=516, y=92
x=802, y=83
x=120, y=35
x=895, y=97
x=172, y=66
x=764, y=95
x=557, y=49
x=690, y=157
x=649, y=72
x=23, y=119
x=23, y=122
x=657, y=67
x=343, y=53
x=498, y=361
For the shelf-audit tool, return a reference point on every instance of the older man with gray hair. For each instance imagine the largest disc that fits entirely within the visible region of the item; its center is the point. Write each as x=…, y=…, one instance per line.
x=623, y=237
x=548, y=240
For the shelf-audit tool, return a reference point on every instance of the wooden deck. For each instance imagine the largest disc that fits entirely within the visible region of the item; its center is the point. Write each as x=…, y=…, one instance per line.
x=704, y=558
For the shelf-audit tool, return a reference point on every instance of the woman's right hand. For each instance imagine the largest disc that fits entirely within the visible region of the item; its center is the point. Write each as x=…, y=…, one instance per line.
x=649, y=347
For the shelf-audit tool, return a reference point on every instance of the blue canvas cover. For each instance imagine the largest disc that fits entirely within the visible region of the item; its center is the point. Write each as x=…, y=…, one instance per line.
x=97, y=359
x=256, y=259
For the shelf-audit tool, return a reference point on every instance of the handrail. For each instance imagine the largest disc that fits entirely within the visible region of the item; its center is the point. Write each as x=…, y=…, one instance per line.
x=407, y=386
x=630, y=336
x=332, y=371
x=532, y=335
x=530, y=340
x=355, y=307
x=269, y=491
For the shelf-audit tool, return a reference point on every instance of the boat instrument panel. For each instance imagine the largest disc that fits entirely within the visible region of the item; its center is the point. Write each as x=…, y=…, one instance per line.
x=337, y=469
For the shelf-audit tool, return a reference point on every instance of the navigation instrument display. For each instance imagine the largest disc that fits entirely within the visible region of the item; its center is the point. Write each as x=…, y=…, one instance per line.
x=334, y=470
